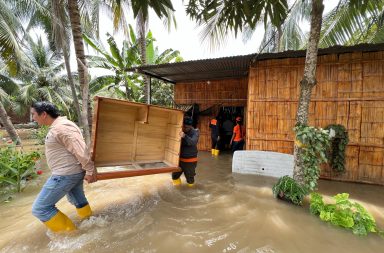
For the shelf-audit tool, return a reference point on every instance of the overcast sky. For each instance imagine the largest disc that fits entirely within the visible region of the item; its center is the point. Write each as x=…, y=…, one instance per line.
x=187, y=40
x=186, y=37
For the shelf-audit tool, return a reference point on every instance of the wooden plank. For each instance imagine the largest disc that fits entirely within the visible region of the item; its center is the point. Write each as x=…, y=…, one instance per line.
x=135, y=173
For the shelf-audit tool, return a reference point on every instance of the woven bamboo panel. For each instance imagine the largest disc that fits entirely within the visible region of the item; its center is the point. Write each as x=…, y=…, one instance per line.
x=227, y=92
x=349, y=91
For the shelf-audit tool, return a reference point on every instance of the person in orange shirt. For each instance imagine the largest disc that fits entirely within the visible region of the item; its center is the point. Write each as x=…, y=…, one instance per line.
x=237, y=141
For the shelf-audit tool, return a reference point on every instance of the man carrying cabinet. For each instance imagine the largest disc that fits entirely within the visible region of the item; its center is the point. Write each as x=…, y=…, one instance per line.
x=188, y=153
x=70, y=162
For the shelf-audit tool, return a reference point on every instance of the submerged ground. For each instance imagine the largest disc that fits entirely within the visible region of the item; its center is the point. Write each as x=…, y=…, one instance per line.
x=222, y=213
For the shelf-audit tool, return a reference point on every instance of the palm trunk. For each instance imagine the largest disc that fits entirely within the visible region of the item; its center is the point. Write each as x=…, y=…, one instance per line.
x=8, y=125
x=308, y=82
x=141, y=24
x=77, y=33
x=279, y=33
x=72, y=85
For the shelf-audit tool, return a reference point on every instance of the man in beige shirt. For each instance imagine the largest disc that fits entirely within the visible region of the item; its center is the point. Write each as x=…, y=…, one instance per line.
x=69, y=160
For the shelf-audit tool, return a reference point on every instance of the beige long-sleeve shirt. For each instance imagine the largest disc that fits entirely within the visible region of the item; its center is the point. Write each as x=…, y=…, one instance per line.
x=65, y=149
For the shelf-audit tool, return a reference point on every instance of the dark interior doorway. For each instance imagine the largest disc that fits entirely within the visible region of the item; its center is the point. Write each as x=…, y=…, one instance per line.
x=226, y=120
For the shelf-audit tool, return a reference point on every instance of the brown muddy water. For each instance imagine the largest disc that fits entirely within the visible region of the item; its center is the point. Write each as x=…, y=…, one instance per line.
x=223, y=213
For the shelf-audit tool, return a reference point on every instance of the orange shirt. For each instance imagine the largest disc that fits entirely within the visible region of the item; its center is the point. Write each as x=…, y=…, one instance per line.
x=239, y=133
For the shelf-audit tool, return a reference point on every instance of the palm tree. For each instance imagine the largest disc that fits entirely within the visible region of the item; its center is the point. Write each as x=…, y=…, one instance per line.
x=40, y=78
x=121, y=84
x=8, y=88
x=77, y=33
x=12, y=32
x=162, y=8
x=345, y=24
x=349, y=24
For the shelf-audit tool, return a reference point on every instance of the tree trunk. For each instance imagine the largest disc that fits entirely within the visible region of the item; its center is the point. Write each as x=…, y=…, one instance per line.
x=72, y=85
x=308, y=82
x=279, y=33
x=8, y=125
x=141, y=25
x=77, y=33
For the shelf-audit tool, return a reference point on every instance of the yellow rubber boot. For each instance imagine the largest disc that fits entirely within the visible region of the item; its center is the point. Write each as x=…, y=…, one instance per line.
x=191, y=185
x=217, y=152
x=176, y=182
x=60, y=223
x=213, y=151
x=84, y=212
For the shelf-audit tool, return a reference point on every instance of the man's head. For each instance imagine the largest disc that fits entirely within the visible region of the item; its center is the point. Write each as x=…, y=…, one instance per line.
x=187, y=124
x=239, y=120
x=44, y=113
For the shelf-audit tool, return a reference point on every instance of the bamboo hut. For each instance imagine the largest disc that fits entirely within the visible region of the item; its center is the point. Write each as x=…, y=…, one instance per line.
x=349, y=91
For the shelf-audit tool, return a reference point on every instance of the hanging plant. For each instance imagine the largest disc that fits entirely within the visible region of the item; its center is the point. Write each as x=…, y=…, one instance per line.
x=339, y=143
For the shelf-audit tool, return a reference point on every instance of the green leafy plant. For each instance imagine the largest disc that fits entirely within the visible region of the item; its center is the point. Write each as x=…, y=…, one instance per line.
x=314, y=143
x=344, y=213
x=16, y=167
x=287, y=188
x=339, y=143
x=40, y=134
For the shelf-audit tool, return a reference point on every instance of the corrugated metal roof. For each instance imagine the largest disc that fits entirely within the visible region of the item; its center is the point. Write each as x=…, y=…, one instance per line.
x=234, y=66
x=207, y=69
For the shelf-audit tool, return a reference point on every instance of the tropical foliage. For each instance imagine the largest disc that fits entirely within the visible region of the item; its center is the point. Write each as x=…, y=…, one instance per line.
x=344, y=213
x=16, y=167
x=350, y=22
x=39, y=78
x=314, y=143
x=287, y=188
x=122, y=84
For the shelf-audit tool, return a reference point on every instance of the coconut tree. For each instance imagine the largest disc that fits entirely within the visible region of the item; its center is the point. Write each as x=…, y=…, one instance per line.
x=10, y=28
x=8, y=88
x=345, y=24
x=40, y=78
x=349, y=24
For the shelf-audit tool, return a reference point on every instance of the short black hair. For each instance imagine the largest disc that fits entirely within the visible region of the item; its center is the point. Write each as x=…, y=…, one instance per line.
x=188, y=121
x=49, y=108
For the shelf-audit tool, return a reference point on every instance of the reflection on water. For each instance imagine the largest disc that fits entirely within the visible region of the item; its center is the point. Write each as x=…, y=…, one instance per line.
x=223, y=213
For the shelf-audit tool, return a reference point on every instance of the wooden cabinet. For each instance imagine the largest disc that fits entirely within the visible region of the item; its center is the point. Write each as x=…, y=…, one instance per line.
x=134, y=139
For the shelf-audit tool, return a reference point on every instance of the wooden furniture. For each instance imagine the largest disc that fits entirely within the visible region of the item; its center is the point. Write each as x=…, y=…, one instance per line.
x=134, y=139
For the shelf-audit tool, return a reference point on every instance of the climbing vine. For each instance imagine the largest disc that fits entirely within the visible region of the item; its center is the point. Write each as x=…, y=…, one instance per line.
x=339, y=143
x=314, y=143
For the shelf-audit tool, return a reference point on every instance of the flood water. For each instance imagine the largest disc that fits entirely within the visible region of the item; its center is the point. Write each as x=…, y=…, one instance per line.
x=222, y=213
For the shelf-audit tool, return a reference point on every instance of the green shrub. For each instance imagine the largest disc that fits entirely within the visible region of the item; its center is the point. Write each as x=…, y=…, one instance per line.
x=344, y=213
x=287, y=188
x=16, y=166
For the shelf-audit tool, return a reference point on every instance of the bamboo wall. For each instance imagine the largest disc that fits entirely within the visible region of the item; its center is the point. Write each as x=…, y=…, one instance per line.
x=350, y=91
x=226, y=92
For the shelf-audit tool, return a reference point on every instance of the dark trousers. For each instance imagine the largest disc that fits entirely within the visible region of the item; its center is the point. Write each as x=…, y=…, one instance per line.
x=189, y=171
x=237, y=145
x=214, y=141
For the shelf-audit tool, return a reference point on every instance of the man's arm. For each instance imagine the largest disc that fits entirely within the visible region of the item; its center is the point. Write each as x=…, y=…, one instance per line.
x=191, y=141
x=75, y=144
